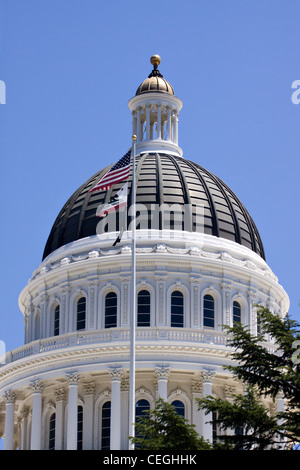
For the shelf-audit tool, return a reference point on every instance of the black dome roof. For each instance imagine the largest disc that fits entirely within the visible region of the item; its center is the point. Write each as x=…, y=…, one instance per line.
x=161, y=179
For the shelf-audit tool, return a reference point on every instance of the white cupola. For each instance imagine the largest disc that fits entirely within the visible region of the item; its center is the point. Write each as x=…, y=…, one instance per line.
x=155, y=110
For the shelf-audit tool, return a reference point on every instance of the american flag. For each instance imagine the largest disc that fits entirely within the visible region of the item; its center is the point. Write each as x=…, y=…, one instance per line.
x=119, y=172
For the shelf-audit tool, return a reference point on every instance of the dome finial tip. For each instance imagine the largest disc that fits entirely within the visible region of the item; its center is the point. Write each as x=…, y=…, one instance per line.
x=155, y=60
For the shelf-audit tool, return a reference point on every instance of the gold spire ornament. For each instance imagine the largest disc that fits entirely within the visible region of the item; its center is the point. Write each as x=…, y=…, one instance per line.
x=155, y=60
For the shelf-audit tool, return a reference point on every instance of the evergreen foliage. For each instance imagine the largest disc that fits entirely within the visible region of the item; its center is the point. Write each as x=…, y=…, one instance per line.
x=266, y=373
x=164, y=429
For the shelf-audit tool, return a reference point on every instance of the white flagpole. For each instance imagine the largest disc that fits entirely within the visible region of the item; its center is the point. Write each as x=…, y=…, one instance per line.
x=133, y=307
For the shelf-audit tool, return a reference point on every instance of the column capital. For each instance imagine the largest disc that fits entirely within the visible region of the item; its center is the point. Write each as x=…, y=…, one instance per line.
x=162, y=372
x=73, y=378
x=24, y=412
x=10, y=396
x=207, y=375
x=116, y=374
x=37, y=386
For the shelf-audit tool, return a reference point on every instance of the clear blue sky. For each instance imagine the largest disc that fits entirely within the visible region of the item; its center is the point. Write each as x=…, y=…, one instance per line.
x=70, y=67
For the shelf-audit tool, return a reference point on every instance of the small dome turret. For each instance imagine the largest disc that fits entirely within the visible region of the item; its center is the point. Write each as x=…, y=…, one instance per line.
x=155, y=81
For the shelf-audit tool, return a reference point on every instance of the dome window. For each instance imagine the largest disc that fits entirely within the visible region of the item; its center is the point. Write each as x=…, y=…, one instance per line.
x=81, y=314
x=237, y=312
x=52, y=432
x=179, y=407
x=105, y=426
x=111, y=310
x=177, y=309
x=79, y=427
x=143, y=308
x=208, y=311
x=56, y=321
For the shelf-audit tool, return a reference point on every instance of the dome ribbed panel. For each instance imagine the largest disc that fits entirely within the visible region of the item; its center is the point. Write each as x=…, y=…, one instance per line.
x=162, y=179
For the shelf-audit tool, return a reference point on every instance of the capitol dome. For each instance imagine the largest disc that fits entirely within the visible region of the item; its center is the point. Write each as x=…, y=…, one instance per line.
x=162, y=179
x=129, y=305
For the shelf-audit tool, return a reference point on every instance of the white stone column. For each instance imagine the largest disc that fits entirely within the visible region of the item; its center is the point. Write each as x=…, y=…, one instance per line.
x=64, y=309
x=92, y=305
x=207, y=418
x=134, y=123
x=252, y=312
x=280, y=407
x=24, y=423
x=169, y=125
x=162, y=374
x=125, y=413
x=72, y=420
x=226, y=303
x=161, y=308
x=36, y=421
x=175, y=138
x=138, y=124
x=158, y=108
x=88, y=416
x=10, y=398
x=147, y=122
x=60, y=396
x=115, y=426
x=196, y=412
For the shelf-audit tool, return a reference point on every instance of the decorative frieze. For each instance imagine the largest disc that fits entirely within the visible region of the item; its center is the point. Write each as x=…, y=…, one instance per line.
x=60, y=394
x=89, y=388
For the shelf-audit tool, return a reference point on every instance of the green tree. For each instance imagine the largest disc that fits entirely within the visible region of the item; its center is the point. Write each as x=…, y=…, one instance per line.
x=268, y=373
x=163, y=429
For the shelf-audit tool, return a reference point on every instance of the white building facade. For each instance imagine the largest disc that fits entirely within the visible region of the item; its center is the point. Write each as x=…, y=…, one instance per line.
x=199, y=265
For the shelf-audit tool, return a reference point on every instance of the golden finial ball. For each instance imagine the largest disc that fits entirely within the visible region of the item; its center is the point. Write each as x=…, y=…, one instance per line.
x=155, y=59
x=134, y=137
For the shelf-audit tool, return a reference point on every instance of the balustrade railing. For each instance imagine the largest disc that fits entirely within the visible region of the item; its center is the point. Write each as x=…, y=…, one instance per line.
x=209, y=338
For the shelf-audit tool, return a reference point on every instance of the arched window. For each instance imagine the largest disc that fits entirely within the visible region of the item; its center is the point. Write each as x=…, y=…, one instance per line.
x=140, y=411
x=81, y=314
x=179, y=407
x=143, y=308
x=52, y=432
x=237, y=312
x=110, y=315
x=208, y=311
x=56, y=321
x=177, y=309
x=140, y=408
x=105, y=426
x=79, y=427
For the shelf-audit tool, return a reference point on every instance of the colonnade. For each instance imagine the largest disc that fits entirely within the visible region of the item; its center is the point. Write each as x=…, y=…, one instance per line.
x=32, y=426
x=147, y=118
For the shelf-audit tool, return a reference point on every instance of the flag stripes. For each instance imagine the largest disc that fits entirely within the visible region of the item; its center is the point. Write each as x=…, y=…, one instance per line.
x=119, y=172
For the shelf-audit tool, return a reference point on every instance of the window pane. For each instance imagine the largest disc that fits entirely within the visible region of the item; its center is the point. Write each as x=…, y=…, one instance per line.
x=52, y=432
x=79, y=427
x=179, y=407
x=105, y=426
x=143, y=308
x=236, y=312
x=208, y=311
x=110, y=320
x=56, y=320
x=177, y=309
x=81, y=310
